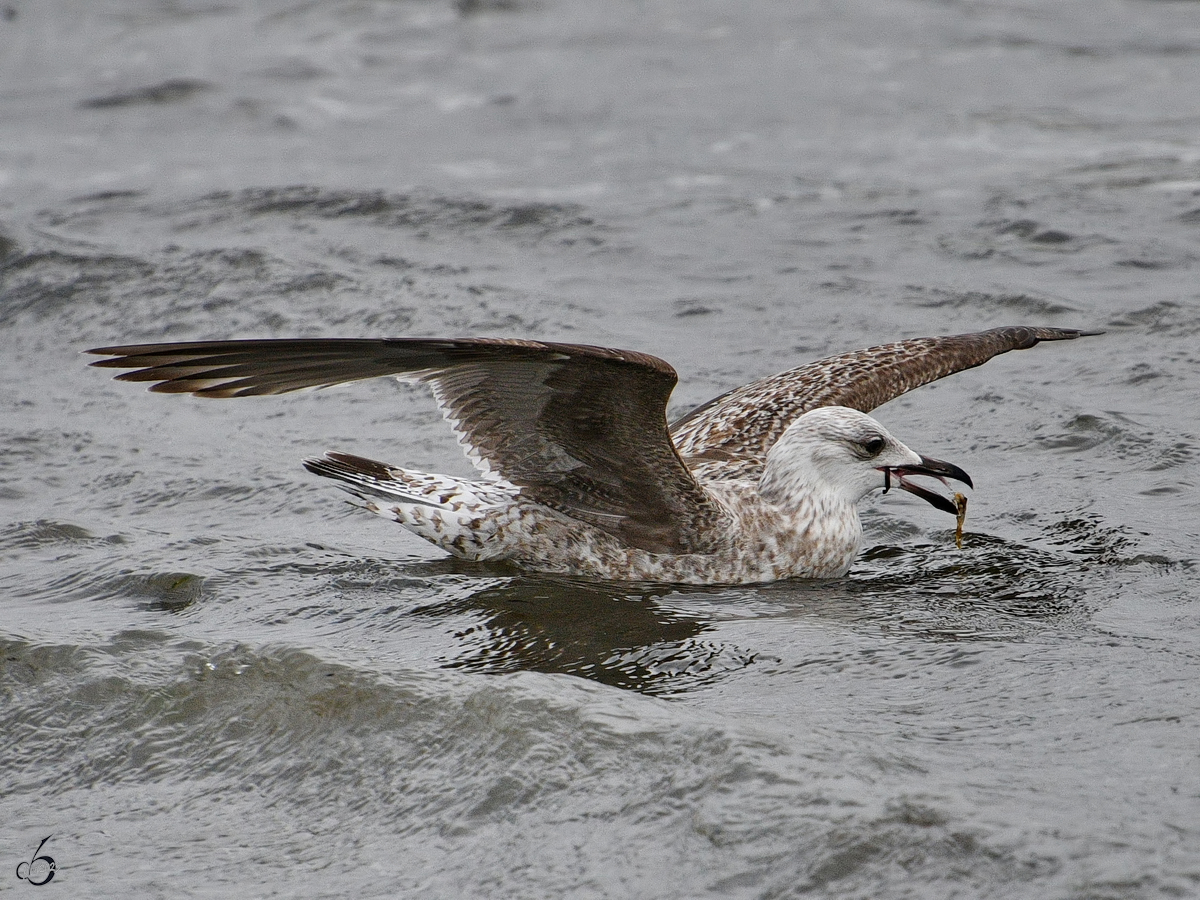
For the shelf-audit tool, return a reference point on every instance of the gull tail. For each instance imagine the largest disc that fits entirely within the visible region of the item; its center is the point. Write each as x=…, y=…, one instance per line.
x=369, y=479
x=459, y=516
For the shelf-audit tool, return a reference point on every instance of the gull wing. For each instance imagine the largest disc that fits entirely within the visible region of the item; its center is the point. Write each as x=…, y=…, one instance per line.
x=729, y=436
x=580, y=429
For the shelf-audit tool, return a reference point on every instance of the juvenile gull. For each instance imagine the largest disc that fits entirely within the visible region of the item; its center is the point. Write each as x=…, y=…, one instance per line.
x=581, y=472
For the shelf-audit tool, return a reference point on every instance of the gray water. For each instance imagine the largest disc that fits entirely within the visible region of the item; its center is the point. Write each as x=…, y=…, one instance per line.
x=218, y=679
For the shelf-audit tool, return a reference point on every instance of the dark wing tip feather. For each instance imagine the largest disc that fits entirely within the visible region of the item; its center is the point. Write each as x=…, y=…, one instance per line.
x=259, y=367
x=1022, y=337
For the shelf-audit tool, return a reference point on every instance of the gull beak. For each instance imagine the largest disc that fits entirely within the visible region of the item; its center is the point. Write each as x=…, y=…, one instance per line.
x=934, y=468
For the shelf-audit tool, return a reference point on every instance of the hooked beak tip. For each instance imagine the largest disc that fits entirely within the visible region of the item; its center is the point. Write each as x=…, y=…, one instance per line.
x=940, y=469
x=934, y=468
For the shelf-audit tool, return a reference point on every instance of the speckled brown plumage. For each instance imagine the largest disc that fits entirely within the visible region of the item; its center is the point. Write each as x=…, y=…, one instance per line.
x=729, y=436
x=580, y=471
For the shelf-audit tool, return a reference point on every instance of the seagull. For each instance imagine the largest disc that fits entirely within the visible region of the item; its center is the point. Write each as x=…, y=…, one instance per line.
x=581, y=473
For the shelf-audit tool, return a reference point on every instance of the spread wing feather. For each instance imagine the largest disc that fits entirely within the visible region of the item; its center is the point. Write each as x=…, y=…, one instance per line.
x=580, y=429
x=729, y=436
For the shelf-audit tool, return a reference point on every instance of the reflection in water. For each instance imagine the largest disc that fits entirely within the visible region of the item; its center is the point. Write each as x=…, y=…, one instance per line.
x=661, y=640
x=655, y=638
x=613, y=633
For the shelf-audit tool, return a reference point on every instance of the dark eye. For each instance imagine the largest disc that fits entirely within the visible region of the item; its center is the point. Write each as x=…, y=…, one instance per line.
x=874, y=446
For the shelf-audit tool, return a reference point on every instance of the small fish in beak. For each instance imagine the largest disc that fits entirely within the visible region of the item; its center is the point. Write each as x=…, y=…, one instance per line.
x=961, y=502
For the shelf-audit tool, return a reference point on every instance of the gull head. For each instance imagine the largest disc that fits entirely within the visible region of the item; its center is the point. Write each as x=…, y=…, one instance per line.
x=842, y=454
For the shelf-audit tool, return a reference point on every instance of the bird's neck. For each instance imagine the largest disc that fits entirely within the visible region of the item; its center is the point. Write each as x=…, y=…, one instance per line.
x=793, y=487
x=818, y=530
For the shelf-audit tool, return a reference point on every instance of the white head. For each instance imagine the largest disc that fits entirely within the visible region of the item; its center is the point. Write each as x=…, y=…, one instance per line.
x=843, y=455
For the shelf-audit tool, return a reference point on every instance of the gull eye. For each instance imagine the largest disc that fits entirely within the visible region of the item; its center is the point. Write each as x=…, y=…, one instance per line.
x=874, y=446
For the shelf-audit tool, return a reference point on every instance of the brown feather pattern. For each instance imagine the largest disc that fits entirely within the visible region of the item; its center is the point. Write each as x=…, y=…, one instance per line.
x=582, y=429
x=729, y=436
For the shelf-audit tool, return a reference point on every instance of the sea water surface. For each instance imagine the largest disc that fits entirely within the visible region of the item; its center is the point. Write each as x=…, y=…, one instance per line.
x=219, y=679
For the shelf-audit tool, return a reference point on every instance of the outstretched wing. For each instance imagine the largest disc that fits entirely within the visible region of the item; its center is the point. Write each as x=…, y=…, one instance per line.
x=729, y=436
x=580, y=429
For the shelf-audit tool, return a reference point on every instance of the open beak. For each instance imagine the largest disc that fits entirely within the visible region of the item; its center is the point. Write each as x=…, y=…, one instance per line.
x=934, y=468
